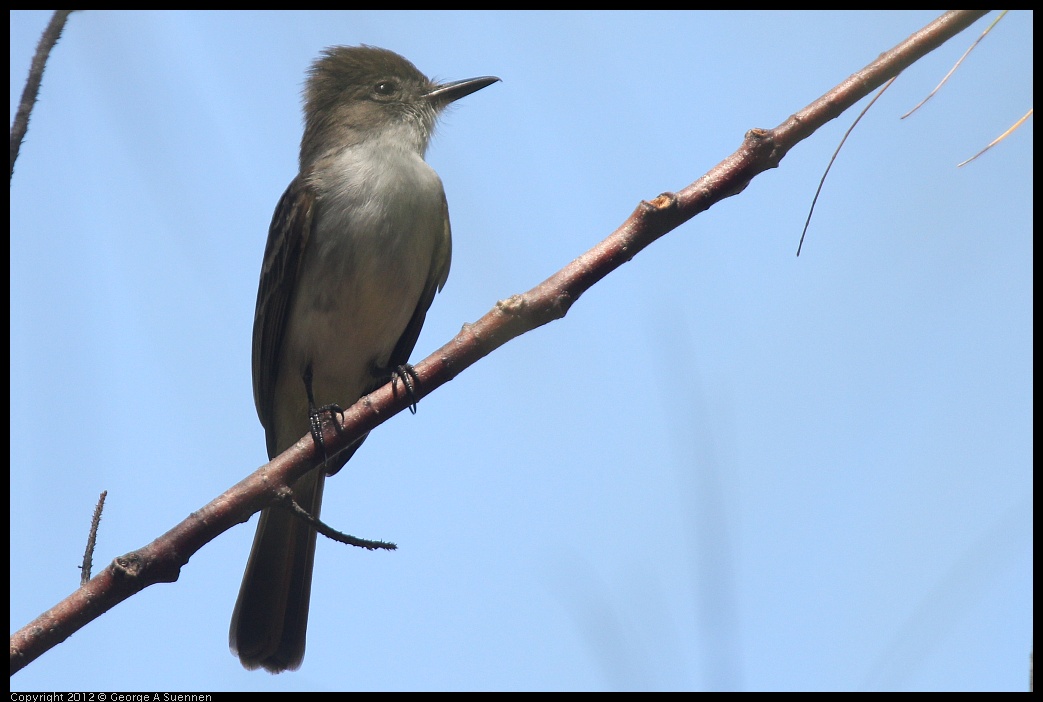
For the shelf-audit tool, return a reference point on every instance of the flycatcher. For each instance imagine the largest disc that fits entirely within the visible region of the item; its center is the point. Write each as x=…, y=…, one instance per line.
x=357, y=248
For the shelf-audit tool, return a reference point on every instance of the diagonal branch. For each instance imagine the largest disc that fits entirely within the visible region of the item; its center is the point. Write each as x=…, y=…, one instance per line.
x=32, y=83
x=161, y=560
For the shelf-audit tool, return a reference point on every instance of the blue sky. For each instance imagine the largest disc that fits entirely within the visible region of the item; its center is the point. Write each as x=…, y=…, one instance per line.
x=726, y=468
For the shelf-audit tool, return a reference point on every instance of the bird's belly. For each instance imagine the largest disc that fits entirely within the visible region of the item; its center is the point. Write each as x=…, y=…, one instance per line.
x=345, y=321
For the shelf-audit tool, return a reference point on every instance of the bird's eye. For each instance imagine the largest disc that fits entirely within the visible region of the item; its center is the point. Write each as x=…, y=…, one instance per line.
x=385, y=88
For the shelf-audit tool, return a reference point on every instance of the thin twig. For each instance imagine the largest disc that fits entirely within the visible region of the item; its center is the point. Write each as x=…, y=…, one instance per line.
x=836, y=153
x=329, y=532
x=92, y=537
x=955, y=66
x=32, y=83
x=998, y=139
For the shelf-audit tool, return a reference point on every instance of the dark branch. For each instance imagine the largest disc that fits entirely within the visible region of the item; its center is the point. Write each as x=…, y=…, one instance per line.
x=32, y=83
x=320, y=526
x=92, y=538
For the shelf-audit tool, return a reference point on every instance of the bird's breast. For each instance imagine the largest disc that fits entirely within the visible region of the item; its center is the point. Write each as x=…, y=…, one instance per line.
x=379, y=223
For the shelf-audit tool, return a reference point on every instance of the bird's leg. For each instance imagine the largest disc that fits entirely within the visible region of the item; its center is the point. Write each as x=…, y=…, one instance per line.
x=315, y=413
x=409, y=379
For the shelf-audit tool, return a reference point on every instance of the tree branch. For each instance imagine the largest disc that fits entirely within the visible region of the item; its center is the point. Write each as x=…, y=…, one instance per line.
x=32, y=84
x=161, y=560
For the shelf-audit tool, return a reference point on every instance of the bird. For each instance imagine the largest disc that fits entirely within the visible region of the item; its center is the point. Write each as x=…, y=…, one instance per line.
x=358, y=246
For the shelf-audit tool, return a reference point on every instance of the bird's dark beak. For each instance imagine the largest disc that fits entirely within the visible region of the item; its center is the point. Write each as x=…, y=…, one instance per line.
x=446, y=93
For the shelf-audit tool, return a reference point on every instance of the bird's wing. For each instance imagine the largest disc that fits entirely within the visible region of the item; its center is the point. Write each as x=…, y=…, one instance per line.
x=288, y=238
x=436, y=277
